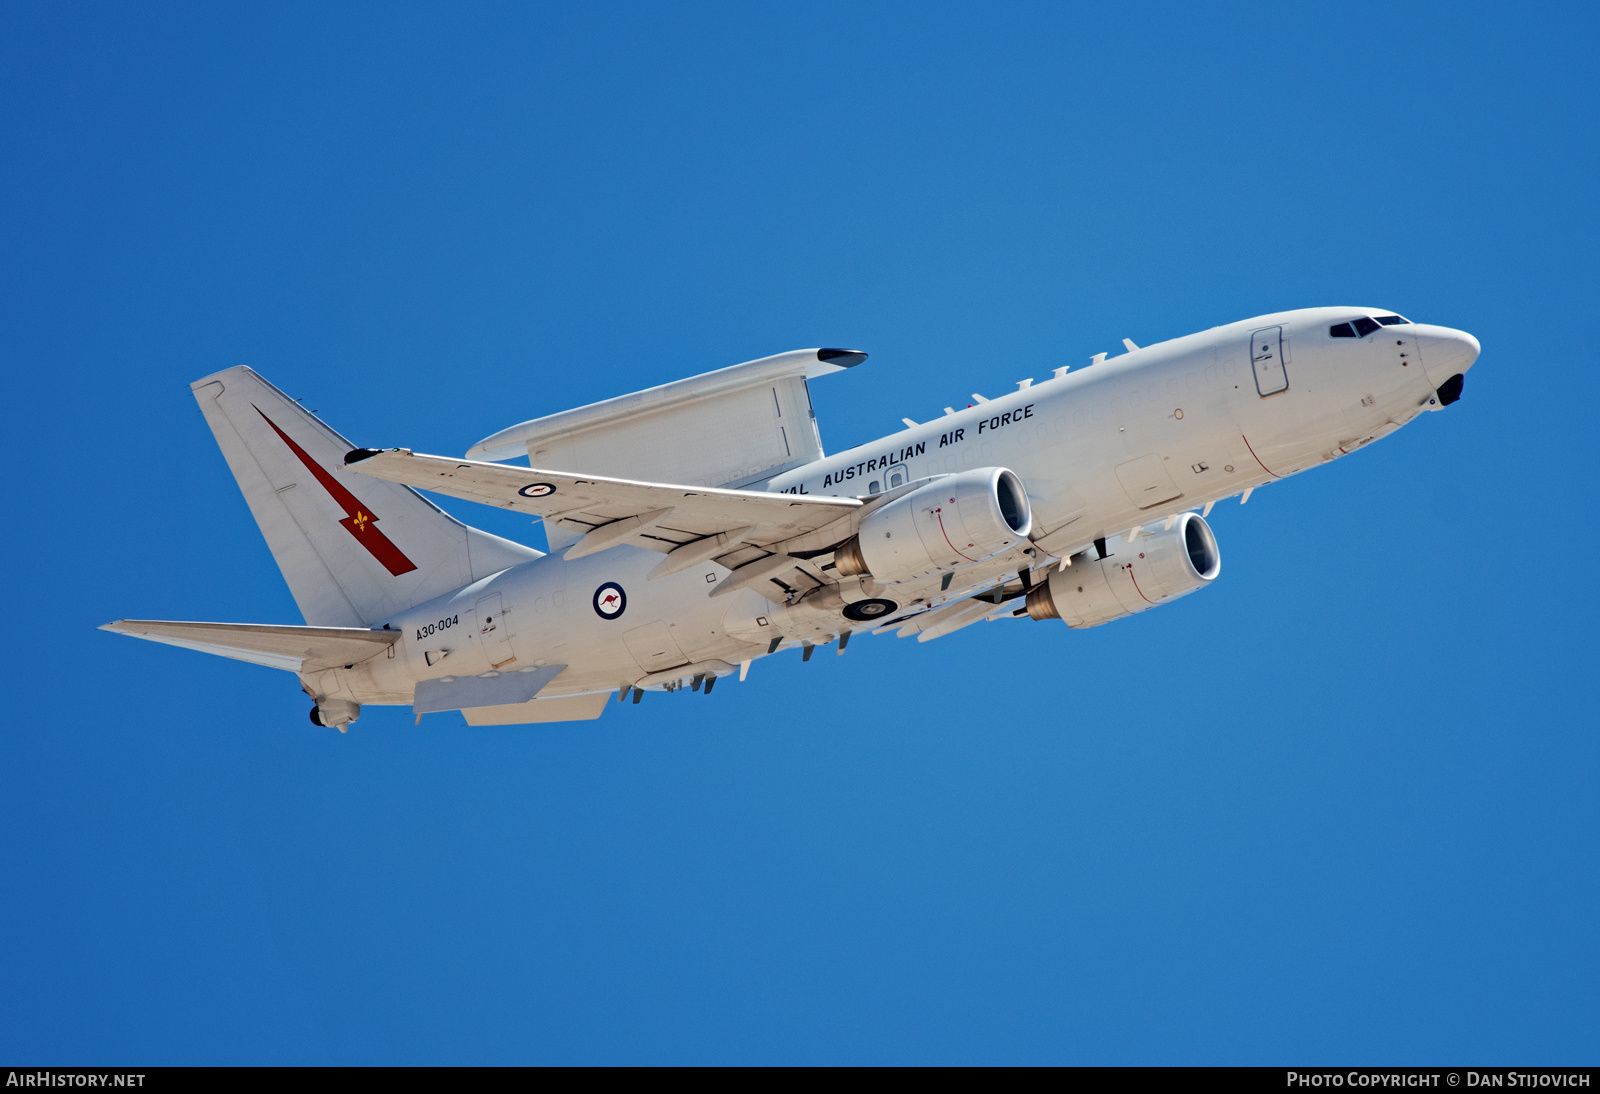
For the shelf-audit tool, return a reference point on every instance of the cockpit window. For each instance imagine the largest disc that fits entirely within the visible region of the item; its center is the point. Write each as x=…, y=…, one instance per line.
x=1365, y=326
x=1341, y=330
x=1392, y=320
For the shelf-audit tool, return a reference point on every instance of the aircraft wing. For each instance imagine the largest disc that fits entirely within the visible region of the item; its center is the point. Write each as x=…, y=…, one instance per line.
x=689, y=523
x=296, y=649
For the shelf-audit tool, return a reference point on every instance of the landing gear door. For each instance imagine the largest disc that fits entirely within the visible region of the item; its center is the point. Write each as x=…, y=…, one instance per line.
x=1266, y=360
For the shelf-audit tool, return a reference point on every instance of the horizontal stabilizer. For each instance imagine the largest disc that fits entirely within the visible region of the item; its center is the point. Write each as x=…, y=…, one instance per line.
x=295, y=649
x=496, y=689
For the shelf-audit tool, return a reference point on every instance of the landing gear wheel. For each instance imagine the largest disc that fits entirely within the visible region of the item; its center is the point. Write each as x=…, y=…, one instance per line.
x=316, y=716
x=870, y=611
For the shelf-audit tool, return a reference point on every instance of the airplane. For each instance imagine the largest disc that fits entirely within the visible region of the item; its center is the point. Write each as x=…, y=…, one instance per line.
x=697, y=527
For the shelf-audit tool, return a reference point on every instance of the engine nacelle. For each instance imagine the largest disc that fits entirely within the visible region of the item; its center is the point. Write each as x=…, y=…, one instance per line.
x=950, y=523
x=1132, y=578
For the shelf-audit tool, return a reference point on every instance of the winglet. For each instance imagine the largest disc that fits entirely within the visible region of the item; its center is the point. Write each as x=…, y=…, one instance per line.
x=834, y=360
x=356, y=455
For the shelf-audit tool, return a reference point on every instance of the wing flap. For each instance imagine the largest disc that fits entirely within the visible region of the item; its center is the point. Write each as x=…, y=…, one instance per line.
x=558, y=708
x=494, y=689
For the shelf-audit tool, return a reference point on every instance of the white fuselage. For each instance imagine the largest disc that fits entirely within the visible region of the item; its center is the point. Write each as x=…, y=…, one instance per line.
x=1128, y=441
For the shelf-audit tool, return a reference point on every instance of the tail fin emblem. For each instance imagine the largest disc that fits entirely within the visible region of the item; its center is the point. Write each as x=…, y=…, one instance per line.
x=357, y=520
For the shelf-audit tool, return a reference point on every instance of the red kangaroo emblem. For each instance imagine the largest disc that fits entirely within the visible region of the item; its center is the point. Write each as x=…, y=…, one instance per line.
x=610, y=601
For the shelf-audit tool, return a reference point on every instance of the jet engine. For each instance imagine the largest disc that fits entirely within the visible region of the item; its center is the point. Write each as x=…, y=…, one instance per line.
x=1132, y=577
x=949, y=523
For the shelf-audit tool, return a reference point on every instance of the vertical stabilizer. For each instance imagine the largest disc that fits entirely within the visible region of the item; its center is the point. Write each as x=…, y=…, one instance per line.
x=354, y=550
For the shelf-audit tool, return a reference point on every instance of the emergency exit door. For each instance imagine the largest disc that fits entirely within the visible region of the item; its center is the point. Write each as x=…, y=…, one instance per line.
x=1266, y=359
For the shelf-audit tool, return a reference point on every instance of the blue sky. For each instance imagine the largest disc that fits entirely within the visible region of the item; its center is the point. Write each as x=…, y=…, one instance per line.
x=1338, y=808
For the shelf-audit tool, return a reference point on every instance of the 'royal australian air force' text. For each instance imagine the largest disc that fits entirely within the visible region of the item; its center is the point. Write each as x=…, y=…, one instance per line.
x=881, y=463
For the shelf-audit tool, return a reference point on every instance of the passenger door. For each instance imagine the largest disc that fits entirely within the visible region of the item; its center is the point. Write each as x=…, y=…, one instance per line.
x=1266, y=360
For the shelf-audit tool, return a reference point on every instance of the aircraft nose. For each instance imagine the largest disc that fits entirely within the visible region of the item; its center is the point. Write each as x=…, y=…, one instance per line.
x=1445, y=352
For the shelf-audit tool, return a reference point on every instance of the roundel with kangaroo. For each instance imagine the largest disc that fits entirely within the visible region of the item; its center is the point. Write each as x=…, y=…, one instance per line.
x=610, y=601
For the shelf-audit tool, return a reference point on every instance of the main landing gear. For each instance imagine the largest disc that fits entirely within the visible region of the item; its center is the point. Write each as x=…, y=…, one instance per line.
x=335, y=713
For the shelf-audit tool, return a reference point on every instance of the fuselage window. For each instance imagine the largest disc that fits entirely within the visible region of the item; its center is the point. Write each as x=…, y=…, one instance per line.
x=1392, y=320
x=1341, y=330
x=872, y=488
x=1365, y=326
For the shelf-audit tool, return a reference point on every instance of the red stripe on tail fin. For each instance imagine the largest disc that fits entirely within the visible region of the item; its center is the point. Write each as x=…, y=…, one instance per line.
x=358, y=520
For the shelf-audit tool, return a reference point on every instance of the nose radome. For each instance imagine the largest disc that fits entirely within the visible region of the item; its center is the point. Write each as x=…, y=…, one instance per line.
x=1467, y=349
x=1445, y=352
